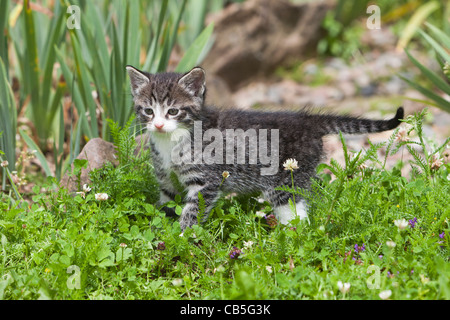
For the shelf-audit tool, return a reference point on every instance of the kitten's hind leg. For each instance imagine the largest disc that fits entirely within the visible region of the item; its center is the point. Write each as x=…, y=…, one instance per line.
x=284, y=213
x=282, y=209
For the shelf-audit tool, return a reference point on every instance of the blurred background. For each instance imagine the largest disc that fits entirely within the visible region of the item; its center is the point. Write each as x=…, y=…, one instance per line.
x=62, y=65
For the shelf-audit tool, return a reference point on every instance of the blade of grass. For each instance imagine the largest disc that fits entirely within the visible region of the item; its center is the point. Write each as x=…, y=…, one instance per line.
x=164, y=61
x=444, y=38
x=190, y=58
x=69, y=77
x=49, y=57
x=416, y=20
x=436, y=46
x=31, y=72
x=58, y=151
x=437, y=80
x=39, y=155
x=153, y=46
x=425, y=102
x=84, y=81
x=442, y=103
x=8, y=118
x=3, y=38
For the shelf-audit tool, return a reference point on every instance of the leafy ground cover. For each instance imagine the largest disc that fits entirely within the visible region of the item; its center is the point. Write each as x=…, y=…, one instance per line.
x=371, y=234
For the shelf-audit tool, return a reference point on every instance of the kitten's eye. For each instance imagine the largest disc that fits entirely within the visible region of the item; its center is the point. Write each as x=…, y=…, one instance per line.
x=172, y=111
x=148, y=111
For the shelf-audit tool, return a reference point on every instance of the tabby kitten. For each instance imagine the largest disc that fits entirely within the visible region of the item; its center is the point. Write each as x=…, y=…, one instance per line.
x=199, y=143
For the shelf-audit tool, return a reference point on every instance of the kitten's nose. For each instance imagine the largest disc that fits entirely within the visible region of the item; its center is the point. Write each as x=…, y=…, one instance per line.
x=159, y=125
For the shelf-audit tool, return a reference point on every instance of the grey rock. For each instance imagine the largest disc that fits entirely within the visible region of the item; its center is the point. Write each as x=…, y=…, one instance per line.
x=97, y=152
x=254, y=38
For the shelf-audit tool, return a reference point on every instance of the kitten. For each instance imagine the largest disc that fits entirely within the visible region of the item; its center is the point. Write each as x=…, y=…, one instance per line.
x=199, y=143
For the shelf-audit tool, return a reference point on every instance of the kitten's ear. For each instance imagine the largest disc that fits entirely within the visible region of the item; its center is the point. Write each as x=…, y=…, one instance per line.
x=194, y=82
x=138, y=80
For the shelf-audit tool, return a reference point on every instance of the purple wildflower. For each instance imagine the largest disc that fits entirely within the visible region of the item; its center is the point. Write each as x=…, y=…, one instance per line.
x=161, y=246
x=412, y=222
x=271, y=220
x=442, y=235
x=235, y=253
x=360, y=248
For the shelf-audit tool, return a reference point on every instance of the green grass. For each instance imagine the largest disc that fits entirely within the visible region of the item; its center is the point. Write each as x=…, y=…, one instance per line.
x=62, y=246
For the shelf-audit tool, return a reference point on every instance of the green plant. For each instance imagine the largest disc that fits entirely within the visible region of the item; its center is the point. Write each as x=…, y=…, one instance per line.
x=105, y=67
x=440, y=43
x=8, y=121
x=3, y=37
x=133, y=177
x=342, y=32
x=86, y=63
x=387, y=236
x=36, y=57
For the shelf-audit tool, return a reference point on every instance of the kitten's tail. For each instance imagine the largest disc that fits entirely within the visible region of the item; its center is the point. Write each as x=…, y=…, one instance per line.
x=334, y=124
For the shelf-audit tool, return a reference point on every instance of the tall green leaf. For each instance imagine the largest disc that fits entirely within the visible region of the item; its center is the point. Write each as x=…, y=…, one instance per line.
x=39, y=155
x=3, y=38
x=190, y=58
x=8, y=118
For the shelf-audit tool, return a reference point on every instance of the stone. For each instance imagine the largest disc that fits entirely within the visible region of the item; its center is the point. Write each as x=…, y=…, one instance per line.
x=97, y=152
x=255, y=37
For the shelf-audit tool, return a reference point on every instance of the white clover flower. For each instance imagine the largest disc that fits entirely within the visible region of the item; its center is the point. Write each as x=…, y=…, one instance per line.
x=269, y=269
x=260, y=214
x=4, y=164
x=390, y=244
x=86, y=188
x=101, y=196
x=384, y=295
x=435, y=162
x=225, y=174
x=290, y=164
x=424, y=279
x=402, y=135
x=248, y=244
x=401, y=224
x=123, y=245
x=343, y=287
x=177, y=282
x=82, y=194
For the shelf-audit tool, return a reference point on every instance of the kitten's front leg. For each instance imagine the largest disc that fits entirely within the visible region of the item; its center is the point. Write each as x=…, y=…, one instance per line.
x=210, y=194
x=167, y=192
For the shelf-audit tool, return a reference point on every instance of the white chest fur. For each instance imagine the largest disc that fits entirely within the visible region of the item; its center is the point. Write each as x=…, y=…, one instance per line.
x=164, y=145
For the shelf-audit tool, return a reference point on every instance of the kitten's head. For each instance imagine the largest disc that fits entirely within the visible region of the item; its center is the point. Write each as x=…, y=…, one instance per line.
x=167, y=101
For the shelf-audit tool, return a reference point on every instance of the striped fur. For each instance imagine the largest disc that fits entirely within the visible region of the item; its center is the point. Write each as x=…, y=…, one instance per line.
x=299, y=136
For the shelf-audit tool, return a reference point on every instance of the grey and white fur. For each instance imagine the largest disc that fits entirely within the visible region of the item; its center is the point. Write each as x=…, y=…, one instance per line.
x=168, y=102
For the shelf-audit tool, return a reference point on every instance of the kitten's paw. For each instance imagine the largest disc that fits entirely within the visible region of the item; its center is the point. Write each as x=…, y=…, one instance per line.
x=170, y=212
x=187, y=220
x=284, y=213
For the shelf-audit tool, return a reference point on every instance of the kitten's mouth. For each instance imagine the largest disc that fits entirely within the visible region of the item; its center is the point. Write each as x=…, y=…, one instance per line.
x=160, y=131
